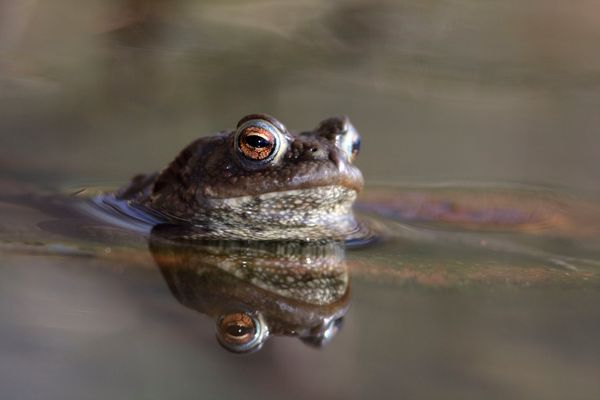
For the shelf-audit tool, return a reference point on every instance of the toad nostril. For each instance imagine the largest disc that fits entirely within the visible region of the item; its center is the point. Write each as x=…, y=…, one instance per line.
x=315, y=152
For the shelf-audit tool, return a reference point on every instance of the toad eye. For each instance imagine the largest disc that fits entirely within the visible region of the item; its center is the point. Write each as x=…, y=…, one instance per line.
x=259, y=142
x=349, y=141
x=256, y=143
x=240, y=332
x=355, y=147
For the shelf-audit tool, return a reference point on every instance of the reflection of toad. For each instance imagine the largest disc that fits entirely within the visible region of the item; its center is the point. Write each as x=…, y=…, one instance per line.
x=259, y=182
x=257, y=289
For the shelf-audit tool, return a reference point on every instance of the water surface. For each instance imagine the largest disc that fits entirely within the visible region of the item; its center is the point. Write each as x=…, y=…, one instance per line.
x=88, y=312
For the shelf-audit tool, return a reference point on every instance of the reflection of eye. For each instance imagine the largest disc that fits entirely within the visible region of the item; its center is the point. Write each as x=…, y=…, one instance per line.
x=259, y=142
x=325, y=334
x=240, y=332
x=237, y=328
x=349, y=142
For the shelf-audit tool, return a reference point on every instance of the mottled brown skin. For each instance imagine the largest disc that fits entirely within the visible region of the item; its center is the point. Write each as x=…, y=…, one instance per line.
x=212, y=169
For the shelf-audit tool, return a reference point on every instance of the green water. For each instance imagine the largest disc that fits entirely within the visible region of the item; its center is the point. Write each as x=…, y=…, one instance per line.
x=447, y=91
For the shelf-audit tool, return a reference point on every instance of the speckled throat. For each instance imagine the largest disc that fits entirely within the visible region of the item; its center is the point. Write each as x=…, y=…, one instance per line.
x=315, y=213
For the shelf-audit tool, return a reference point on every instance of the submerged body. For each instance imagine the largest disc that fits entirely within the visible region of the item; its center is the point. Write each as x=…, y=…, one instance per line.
x=259, y=182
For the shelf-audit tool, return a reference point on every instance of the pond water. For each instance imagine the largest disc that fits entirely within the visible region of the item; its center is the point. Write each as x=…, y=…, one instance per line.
x=476, y=288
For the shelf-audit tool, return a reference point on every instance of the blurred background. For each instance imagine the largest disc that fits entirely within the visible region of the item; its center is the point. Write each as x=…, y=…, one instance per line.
x=440, y=90
x=92, y=92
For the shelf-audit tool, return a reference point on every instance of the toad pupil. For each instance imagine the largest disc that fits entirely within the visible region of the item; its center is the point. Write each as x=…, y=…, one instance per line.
x=238, y=330
x=257, y=141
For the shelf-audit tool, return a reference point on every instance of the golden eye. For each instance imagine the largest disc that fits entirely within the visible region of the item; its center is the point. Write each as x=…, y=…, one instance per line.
x=259, y=143
x=242, y=332
x=237, y=329
x=256, y=143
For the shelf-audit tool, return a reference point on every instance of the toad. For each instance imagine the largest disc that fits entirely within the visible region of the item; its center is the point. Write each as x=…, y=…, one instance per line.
x=259, y=182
